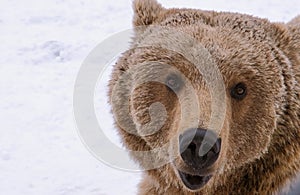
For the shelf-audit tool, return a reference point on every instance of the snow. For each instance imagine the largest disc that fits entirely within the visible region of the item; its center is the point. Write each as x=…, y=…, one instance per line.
x=43, y=44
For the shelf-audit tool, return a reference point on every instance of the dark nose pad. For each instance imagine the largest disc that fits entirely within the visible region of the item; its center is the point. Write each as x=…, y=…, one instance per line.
x=199, y=148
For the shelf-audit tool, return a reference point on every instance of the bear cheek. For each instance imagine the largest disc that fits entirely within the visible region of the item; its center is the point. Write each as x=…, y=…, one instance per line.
x=153, y=107
x=250, y=138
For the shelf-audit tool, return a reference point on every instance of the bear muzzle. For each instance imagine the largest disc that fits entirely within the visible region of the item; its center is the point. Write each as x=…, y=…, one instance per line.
x=199, y=150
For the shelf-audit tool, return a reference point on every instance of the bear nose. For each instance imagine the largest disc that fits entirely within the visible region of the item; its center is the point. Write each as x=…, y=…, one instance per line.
x=199, y=148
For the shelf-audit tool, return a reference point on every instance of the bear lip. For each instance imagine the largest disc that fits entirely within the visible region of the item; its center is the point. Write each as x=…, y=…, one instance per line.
x=194, y=182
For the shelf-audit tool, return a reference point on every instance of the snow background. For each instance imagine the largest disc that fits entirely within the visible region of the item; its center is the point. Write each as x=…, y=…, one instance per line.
x=43, y=44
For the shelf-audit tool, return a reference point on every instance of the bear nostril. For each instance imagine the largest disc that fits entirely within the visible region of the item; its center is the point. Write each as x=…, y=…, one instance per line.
x=210, y=154
x=199, y=148
x=192, y=147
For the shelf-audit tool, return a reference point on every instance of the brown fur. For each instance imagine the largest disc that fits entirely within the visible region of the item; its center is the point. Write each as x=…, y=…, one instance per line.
x=261, y=134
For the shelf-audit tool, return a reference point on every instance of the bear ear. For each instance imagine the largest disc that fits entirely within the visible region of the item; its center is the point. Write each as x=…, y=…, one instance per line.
x=146, y=12
x=295, y=21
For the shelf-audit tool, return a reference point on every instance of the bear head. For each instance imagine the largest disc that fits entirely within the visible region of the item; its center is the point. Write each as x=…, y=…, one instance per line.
x=198, y=94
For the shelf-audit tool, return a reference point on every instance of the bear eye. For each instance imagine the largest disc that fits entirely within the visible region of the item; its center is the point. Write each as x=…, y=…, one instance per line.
x=239, y=91
x=174, y=82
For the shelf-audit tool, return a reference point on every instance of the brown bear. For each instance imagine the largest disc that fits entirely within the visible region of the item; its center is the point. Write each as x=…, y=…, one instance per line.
x=209, y=102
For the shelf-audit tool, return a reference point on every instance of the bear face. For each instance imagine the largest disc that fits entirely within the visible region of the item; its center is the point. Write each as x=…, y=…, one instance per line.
x=192, y=73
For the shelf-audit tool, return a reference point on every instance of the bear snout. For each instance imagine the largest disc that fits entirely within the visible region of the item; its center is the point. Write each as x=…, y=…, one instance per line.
x=199, y=148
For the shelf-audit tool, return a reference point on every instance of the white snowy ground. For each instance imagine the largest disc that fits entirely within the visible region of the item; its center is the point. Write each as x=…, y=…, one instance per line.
x=42, y=45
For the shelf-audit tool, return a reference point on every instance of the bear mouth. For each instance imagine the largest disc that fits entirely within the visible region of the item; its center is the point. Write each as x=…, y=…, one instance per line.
x=194, y=182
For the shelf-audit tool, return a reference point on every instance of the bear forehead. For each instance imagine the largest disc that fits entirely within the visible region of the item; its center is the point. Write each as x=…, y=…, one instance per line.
x=232, y=53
